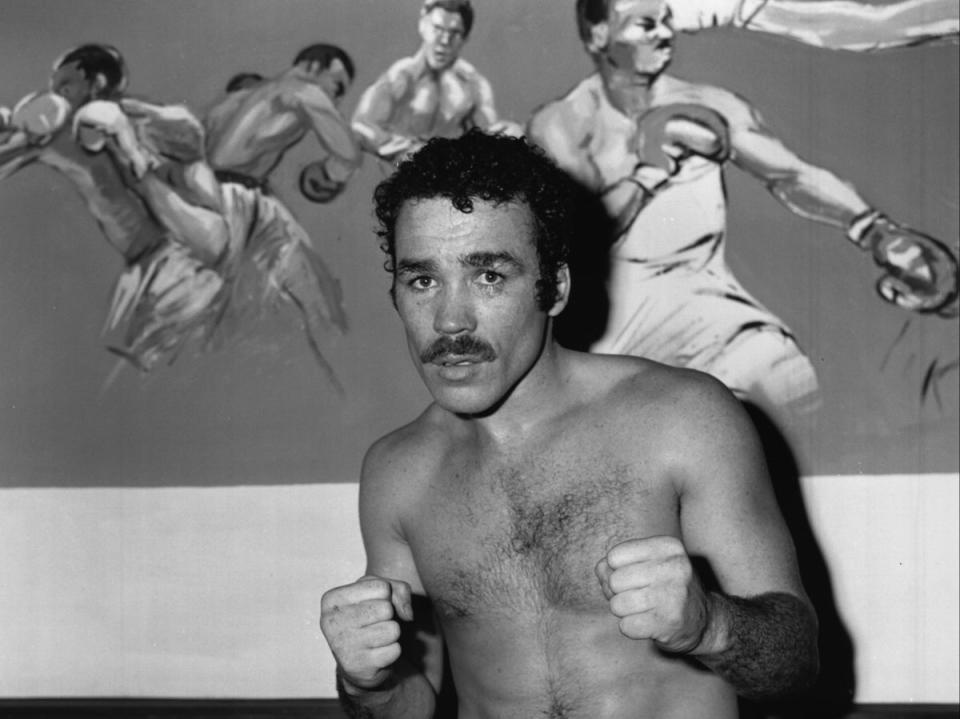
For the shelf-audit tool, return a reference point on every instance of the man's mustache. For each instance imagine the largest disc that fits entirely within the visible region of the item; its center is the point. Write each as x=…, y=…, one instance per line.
x=459, y=346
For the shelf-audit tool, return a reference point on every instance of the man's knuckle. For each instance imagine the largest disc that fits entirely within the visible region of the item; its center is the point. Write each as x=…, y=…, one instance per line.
x=380, y=587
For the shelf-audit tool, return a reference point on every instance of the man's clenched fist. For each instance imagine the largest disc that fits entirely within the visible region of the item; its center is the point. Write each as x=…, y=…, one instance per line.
x=360, y=623
x=653, y=589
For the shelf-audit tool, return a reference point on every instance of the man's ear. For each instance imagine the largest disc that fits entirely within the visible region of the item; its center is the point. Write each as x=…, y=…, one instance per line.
x=99, y=83
x=599, y=36
x=563, y=291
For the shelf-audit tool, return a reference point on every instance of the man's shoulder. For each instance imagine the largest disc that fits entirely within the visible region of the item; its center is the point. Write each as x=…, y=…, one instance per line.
x=572, y=114
x=633, y=384
x=223, y=107
x=681, y=421
x=581, y=100
x=412, y=446
x=403, y=70
x=467, y=72
x=673, y=90
x=287, y=92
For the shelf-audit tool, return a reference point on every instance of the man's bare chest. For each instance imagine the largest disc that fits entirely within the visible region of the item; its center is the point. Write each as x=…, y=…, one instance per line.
x=436, y=105
x=526, y=538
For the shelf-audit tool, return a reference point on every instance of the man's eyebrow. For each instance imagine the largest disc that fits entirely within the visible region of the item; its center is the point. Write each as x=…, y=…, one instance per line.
x=491, y=259
x=415, y=266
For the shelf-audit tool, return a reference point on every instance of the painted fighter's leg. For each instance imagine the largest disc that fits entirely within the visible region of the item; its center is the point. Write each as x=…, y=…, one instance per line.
x=299, y=271
x=179, y=298
x=765, y=367
x=309, y=286
x=201, y=230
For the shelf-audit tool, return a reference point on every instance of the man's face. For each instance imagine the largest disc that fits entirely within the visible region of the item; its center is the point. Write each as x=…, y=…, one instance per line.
x=70, y=83
x=640, y=36
x=335, y=80
x=465, y=289
x=443, y=38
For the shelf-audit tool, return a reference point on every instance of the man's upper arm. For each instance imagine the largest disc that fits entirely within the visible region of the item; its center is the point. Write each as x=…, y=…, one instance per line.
x=15, y=152
x=753, y=148
x=557, y=128
x=381, y=505
x=173, y=131
x=377, y=103
x=384, y=493
x=484, y=112
x=728, y=511
x=329, y=126
x=805, y=189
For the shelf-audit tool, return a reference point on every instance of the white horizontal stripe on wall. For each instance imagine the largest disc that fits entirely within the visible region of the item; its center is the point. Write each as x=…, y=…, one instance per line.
x=215, y=592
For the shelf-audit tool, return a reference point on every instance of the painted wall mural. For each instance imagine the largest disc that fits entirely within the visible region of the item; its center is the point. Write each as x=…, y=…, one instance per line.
x=655, y=150
x=227, y=152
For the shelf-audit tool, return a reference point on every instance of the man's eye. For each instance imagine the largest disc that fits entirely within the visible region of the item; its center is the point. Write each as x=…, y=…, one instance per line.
x=421, y=283
x=489, y=277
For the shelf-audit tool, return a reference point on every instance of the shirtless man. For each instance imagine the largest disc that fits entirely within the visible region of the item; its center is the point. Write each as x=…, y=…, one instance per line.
x=597, y=535
x=251, y=129
x=833, y=24
x=40, y=131
x=434, y=93
x=654, y=147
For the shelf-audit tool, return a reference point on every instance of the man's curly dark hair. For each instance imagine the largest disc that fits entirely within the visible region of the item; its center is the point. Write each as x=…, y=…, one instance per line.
x=491, y=168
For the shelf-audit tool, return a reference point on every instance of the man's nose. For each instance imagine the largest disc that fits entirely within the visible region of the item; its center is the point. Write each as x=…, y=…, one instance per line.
x=455, y=312
x=663, y=31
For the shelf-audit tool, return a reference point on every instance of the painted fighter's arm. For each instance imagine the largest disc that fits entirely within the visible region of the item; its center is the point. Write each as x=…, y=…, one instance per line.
x=920, y=272
x=381, y=628
x=664, y=139
x=331, y=130
x=832, y=24
x=16, y=151
x=28, y=127
x=172, y=130
x=806, y=189
x=753, y=626
x=372, y=117
x=163, y=147
x=485, y=114
x=563, y=131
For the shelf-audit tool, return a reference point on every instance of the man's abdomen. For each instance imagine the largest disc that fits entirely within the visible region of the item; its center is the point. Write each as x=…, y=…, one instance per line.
x=568, y=665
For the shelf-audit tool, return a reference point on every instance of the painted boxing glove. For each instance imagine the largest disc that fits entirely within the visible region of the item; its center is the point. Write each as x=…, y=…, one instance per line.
x=40, y=115
x=669, y=134
x=920, y=272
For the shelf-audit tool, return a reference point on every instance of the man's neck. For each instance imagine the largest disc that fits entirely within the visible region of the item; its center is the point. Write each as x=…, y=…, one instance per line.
x=629, y=92
x=534, y=400
x=301, y=73
x=425, y=69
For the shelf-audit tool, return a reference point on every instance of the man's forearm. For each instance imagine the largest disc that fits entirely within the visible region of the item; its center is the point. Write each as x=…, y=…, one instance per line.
x=765, y=646
x=818, y=194
x=625, y=199
x=410, y=697
x=14, y=149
